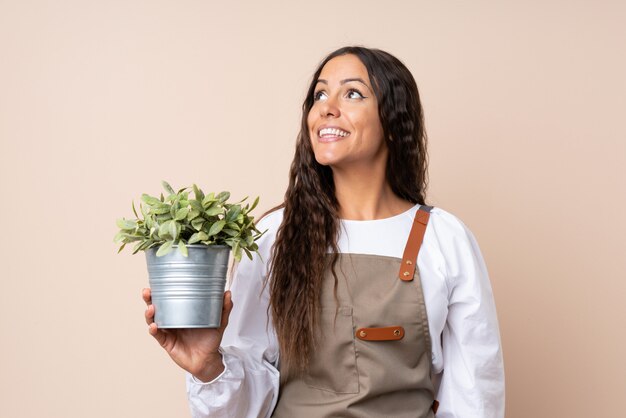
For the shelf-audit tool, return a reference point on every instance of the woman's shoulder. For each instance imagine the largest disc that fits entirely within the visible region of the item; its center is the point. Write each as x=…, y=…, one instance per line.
x=455, y=241
x=447, y=223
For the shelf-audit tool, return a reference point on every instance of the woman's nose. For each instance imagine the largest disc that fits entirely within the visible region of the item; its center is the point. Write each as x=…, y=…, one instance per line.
x=329, y=108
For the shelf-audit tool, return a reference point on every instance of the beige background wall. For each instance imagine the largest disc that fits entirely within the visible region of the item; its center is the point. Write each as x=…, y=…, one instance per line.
x=100, y=100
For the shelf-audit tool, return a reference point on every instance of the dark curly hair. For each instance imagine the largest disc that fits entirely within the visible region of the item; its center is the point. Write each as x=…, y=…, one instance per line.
x=299, y=256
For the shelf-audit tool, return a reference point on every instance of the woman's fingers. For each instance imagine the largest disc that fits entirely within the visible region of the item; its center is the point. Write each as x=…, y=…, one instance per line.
x=149, y=314
x=162, y=336
x=159, y=335
x=168, y=339
x=146, y=294
x=227, y=307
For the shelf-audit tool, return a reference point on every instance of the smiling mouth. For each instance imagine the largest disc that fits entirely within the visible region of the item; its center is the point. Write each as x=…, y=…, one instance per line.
x=331, y=134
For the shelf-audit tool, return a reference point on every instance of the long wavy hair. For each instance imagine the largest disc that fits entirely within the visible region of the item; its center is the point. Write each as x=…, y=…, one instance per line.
x=299, y=256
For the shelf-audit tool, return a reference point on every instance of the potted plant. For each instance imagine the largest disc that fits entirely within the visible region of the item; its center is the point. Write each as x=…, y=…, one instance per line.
x=187, y=242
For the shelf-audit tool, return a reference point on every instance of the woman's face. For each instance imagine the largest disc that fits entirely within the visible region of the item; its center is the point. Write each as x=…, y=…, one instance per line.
x=343, y=123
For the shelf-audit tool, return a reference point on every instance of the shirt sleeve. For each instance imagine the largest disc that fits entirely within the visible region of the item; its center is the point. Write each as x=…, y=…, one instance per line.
x=472, y=383
x=248, y=386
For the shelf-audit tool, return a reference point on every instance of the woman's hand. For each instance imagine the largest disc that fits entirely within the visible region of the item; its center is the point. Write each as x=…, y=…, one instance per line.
x=193, y=349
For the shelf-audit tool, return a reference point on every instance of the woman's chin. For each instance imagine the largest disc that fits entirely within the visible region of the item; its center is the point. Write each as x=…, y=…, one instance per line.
x=327, y=160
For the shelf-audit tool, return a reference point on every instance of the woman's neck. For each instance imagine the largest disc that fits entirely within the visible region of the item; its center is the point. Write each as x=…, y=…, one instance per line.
x=365, y=194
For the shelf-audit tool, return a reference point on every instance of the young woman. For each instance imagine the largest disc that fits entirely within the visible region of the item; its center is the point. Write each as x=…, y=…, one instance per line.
x=366, y=302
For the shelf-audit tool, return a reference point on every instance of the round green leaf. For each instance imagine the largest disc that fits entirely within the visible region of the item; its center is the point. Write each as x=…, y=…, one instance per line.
x=164, y=249
x=182, y=248
x=126, y=224
x=181, y=214
x=217, y=227
x=167, y=187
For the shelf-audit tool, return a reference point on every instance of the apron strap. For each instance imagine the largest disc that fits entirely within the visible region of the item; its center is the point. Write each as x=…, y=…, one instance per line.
x=435, y=406
x=413, y=244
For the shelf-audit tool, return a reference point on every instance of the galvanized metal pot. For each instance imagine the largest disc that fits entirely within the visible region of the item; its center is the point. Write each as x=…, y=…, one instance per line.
x=188, y=292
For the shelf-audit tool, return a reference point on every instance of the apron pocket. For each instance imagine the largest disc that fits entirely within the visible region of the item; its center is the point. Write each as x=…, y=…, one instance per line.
x=333, y=367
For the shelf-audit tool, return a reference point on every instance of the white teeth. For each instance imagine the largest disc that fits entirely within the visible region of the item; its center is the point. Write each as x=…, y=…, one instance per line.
x=333, y=132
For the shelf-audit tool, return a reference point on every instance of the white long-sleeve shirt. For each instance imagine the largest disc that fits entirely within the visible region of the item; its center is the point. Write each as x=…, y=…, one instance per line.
x=466, y=348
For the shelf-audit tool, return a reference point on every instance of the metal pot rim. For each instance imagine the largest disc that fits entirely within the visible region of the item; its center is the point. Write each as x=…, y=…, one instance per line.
x=203, y=245
x=199, y=245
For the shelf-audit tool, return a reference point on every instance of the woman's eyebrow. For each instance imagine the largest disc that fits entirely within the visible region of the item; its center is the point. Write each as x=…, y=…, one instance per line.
x=321, y=80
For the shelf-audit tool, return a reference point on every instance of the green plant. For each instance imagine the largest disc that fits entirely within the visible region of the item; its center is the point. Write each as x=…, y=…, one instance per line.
x=180, y=220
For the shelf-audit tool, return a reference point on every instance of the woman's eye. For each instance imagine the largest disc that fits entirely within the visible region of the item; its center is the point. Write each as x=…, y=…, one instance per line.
x=351, y=93
x=360, y=96
x=316, y=96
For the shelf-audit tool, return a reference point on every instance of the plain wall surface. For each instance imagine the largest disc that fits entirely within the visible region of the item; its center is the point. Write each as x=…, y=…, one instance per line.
x=101, y=100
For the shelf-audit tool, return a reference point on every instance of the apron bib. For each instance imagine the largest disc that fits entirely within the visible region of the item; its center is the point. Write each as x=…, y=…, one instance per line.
x=374, y=356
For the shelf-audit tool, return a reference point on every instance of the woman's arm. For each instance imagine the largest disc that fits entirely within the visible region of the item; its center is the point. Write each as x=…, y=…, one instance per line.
x=248, y=386
x=472, y=384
